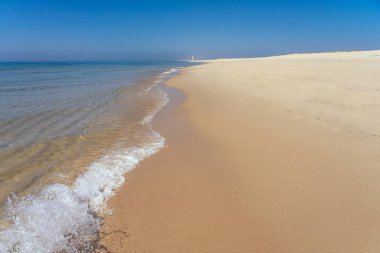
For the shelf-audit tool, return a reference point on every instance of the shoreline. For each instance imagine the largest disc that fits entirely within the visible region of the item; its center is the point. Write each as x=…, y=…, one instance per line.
x=250, y=169
x=79, y=205
x=40, y=162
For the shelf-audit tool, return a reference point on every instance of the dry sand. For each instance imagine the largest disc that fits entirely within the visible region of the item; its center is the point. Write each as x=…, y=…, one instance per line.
x=275, y=154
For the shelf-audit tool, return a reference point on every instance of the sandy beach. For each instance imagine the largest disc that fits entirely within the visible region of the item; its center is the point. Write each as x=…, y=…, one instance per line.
x=277, y=154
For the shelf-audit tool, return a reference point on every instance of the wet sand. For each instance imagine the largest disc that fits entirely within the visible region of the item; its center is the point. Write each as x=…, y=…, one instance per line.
x=263, y=155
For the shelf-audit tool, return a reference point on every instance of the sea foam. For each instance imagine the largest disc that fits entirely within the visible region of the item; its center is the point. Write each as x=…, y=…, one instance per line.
x=63, y=218
x=171, y=71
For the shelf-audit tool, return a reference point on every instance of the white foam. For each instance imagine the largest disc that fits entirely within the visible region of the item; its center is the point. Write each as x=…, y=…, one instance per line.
x=170, y=71
x=164, y=100
x=55, y=219
x=161, y=77
x=104, y=176
x=62, y=218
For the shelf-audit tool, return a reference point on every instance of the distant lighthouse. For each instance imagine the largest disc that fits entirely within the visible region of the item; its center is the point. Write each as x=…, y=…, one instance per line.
x=192, y=58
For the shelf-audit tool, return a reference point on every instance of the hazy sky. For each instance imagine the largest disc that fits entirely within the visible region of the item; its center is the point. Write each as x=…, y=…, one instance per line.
x=138, y=29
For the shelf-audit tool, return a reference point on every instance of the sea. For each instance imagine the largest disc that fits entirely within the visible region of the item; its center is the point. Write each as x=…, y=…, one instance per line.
x=69, y=132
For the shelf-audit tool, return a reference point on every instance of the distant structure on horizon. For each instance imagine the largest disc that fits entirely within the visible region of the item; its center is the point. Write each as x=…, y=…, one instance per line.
x=188, y=59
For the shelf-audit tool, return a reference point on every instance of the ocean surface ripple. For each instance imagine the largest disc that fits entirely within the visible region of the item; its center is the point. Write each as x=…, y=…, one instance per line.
x=67, y=217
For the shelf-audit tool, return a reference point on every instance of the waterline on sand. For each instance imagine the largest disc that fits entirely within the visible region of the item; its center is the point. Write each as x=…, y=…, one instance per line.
x=62, y=218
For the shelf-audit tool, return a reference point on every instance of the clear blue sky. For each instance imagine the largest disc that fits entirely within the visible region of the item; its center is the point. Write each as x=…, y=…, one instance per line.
x=138, y=29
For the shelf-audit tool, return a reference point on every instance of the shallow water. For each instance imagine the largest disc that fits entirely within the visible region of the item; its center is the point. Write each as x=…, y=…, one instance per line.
x=68, y=133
